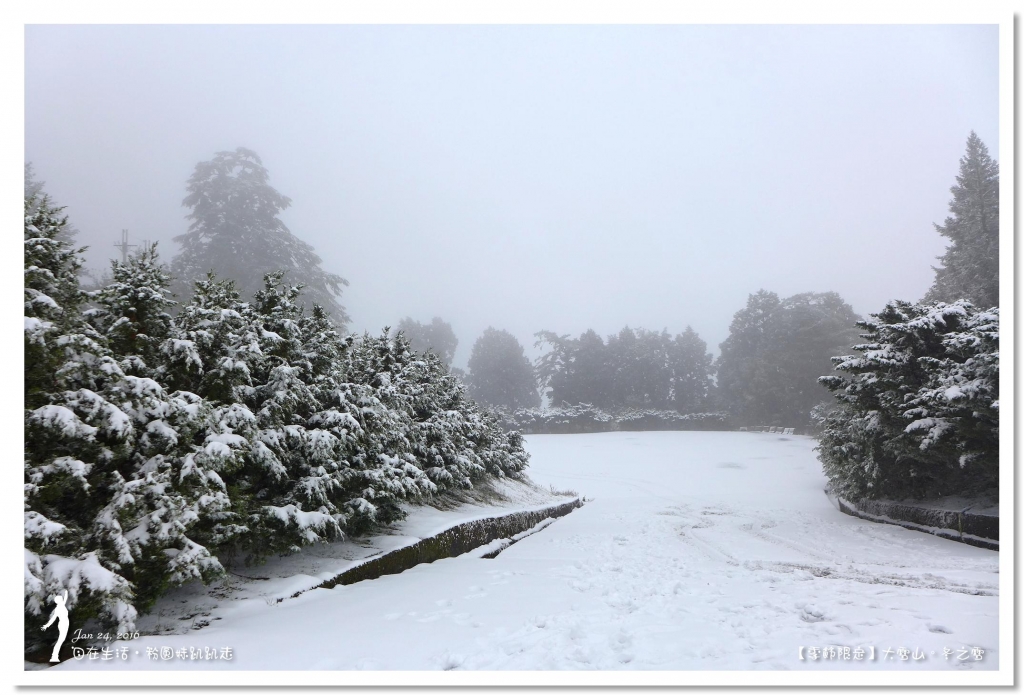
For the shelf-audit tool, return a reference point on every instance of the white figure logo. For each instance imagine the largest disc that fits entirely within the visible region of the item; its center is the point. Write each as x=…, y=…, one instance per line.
x=60, y=614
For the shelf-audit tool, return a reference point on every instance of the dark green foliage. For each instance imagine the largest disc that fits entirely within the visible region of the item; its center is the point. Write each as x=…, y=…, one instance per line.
x=917, y=412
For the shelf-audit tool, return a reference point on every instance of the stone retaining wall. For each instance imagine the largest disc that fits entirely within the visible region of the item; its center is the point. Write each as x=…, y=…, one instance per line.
x=981, y=530
x=449, y=543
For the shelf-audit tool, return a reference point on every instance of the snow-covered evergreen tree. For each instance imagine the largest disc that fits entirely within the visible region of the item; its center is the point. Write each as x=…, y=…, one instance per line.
x=113, y=479
x=65, y=362
x=918, y=409
x=133, y=311
x=970, y=266
x=294, y=502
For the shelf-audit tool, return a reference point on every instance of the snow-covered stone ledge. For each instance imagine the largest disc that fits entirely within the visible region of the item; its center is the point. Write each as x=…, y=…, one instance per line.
x=964, y=525
x=451, y=542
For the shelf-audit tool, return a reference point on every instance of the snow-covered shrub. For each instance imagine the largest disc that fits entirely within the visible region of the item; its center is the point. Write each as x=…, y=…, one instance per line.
x=917, y=411
x=638, y=420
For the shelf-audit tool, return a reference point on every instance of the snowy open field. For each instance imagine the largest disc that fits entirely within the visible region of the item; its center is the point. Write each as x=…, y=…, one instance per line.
x=695, y=550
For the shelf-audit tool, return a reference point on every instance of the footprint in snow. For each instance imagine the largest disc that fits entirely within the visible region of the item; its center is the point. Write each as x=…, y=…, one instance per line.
x=939, y=628
x=622, y=639
x=450, y=661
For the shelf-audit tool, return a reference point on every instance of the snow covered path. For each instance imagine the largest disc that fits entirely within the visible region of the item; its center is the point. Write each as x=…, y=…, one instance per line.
x=697, y=550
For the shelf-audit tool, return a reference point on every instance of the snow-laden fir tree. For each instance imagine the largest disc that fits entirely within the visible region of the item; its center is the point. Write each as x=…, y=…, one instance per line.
x=460, y=443
x=113, y=479
x=294, y=501
x=133, y=312
x=917, y=411
x=970, y=266
x=64, y=360
x=236, y=232
x=385, y=469
x=442, y=433
x=351, y=431
x=170, y=477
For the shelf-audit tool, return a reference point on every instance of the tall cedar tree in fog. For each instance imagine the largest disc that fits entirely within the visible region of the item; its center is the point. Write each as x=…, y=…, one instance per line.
x=692, y=369
x=635, y=368
x=500, y=374
x=970, y=266
x=161, y=445
x=776, y=350
x=437, y=337
x=235, y=232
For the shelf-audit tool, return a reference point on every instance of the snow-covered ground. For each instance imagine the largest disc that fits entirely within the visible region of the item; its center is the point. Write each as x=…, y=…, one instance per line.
x=695, y=550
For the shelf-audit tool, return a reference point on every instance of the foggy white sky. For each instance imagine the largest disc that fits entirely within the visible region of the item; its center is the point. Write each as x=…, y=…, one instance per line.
x=532, y=177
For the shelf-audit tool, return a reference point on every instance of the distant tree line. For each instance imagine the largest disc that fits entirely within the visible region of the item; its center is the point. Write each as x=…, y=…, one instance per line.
x=766, y=374
x=631, y=369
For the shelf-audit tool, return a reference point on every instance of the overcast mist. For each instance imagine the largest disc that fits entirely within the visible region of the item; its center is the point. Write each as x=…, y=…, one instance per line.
x=530, y=178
